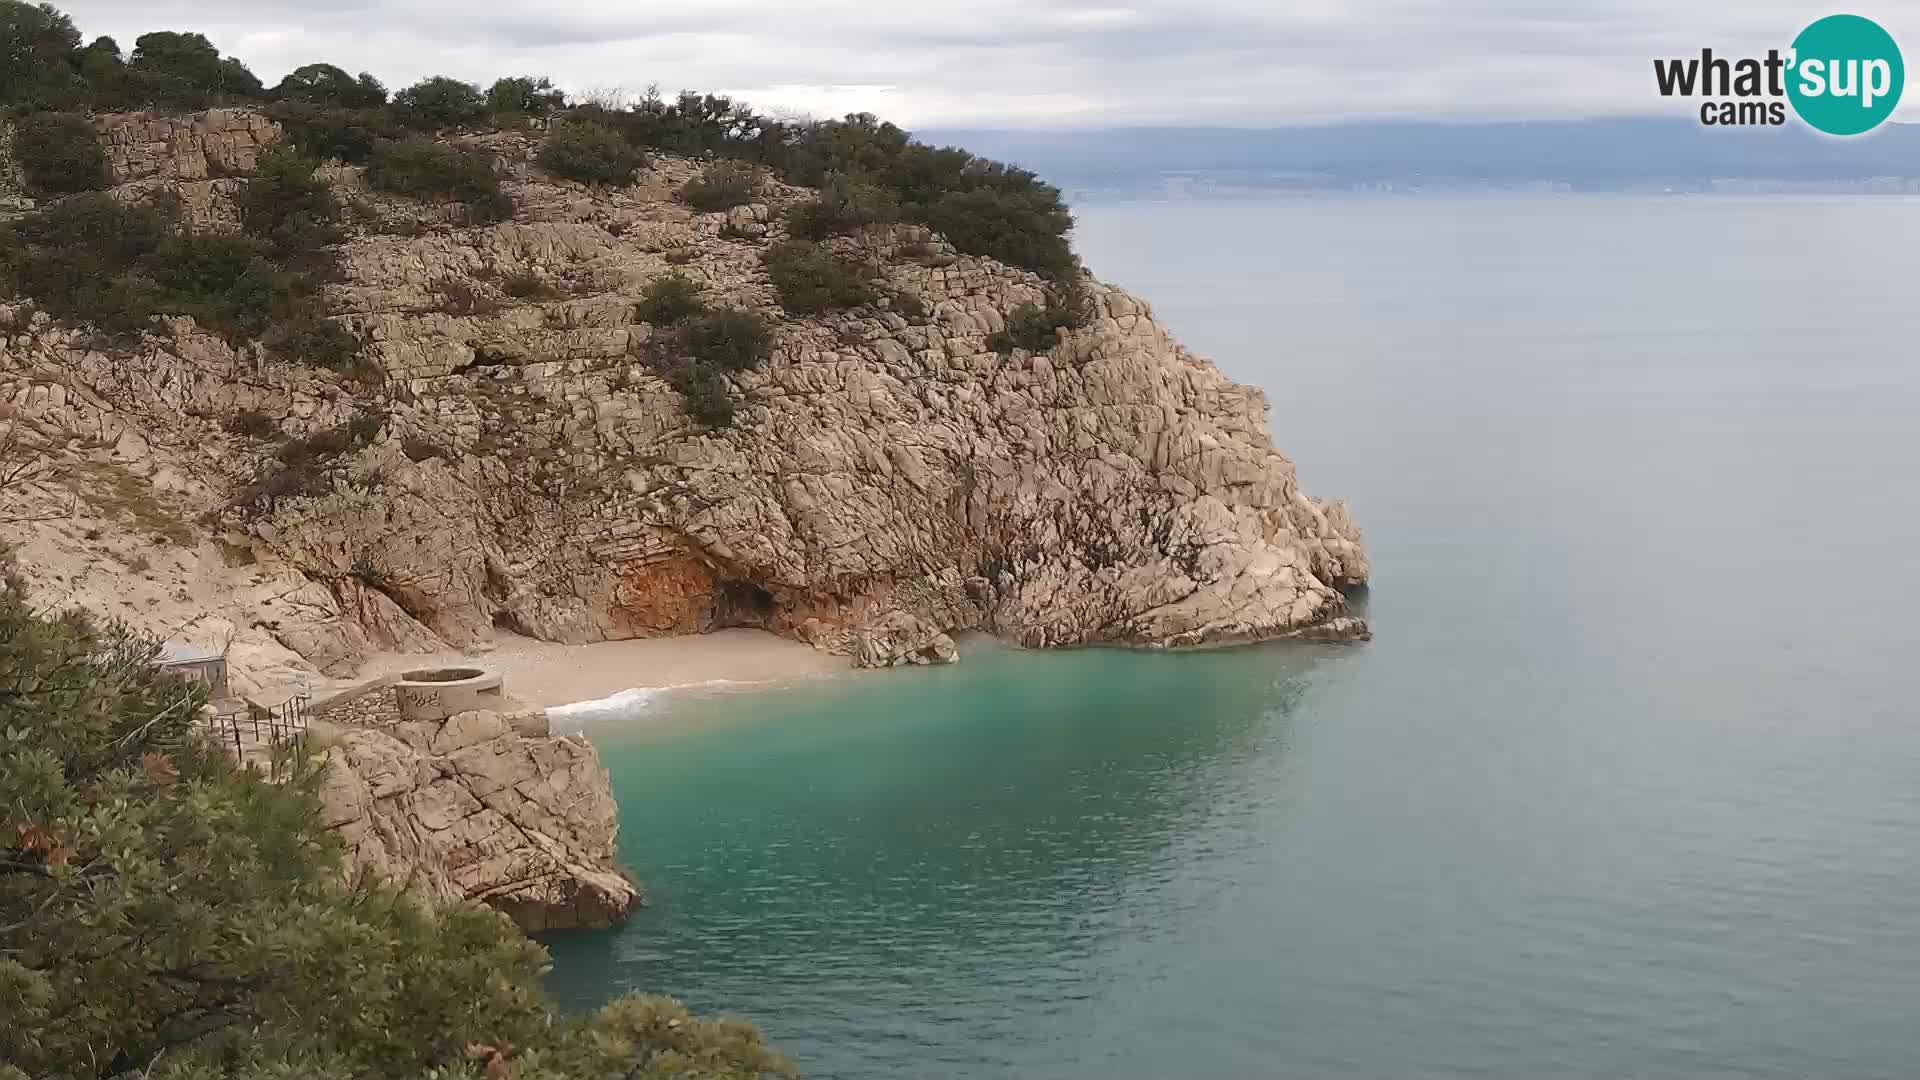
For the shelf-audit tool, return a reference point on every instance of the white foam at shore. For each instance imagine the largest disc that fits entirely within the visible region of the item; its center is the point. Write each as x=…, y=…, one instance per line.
x=628, y=704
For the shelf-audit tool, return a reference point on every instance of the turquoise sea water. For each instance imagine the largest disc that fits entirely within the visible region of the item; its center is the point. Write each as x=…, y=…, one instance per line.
x=1628, y=783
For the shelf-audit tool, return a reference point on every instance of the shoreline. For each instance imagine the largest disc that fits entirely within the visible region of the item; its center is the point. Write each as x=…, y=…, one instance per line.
x=546, y=674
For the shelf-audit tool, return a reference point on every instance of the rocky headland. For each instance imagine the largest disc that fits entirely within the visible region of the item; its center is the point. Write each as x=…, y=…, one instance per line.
x=894, y=472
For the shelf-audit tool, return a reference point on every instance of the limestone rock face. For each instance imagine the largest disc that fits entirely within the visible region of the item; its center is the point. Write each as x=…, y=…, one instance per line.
x=902, y=637
x=200, y=146
x=890, y=478
x=475, y=809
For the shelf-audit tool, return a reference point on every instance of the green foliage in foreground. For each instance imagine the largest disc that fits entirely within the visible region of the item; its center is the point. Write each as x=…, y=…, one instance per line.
x=163, y=911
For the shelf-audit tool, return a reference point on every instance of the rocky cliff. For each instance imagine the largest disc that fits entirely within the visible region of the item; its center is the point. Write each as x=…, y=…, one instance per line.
x=479, y=808
x=890, y=478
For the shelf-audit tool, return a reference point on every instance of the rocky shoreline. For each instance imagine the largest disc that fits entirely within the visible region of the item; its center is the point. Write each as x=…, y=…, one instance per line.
x=895, y=473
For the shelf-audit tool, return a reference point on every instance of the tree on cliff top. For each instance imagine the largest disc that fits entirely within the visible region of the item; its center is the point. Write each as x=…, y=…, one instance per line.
x=331, y=85
x=33, y=47
x=186, y=70
x=162, y=910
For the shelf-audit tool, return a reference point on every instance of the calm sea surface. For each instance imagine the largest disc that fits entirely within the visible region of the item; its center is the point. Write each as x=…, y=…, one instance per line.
x=1627, y=785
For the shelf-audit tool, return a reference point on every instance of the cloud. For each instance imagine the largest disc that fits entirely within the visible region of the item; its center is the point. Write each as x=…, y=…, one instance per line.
x=1024, y=63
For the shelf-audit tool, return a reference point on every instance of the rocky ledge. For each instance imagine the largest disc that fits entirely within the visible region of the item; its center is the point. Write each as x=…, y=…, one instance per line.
x=482, y=808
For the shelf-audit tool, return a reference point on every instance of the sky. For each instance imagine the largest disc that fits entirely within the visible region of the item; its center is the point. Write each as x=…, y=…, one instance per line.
x=1031, y=63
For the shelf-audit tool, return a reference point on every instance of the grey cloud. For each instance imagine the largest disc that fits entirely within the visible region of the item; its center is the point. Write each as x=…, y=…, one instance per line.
x=1023, y=62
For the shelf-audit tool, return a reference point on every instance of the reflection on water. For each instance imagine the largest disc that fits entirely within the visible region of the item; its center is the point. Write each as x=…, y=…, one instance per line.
x=1628, y=783
x=910, y=859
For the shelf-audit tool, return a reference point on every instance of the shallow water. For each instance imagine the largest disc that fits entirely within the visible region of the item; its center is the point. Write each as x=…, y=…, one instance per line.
x=1627, y=784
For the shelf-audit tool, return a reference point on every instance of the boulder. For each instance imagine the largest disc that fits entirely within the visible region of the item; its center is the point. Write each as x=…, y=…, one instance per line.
x=471, y=810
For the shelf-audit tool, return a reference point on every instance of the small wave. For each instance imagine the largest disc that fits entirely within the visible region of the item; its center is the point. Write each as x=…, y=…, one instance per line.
x=628, y=704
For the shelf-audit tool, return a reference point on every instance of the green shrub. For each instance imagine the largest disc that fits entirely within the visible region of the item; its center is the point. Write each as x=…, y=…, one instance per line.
x=229, y=284
x=730, y=339
x=440, y=102
x=58, y=154
x=331, y=132
x=287, y=205
x=591, y=154
x=36, y=41
x=810, y=278
x=333, y=86
x=1024, y=229
x=722, y=185
x=425, y=169
x=185, y=71
x=525, y=94
x=252, y=424
x=364, y=427
x=844, y=205
x=670, y=298
x=708, y=398
x=1029, y=326
x=91, y=259
x=314, y=341
x=166, y=912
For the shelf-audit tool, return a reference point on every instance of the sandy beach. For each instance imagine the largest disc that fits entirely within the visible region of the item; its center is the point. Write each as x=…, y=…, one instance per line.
x=545, y=674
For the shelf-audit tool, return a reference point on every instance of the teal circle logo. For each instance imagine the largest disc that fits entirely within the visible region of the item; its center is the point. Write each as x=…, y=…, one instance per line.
x=1846, y=75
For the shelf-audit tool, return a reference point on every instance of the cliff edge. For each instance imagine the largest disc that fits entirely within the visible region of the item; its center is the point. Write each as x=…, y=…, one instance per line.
x=890, y=475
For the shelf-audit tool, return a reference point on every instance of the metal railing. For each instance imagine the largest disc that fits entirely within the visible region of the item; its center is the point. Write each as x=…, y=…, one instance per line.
x=243, y=726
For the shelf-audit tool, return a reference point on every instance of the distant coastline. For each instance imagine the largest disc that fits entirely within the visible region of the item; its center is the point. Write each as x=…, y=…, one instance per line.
x=1641, y=155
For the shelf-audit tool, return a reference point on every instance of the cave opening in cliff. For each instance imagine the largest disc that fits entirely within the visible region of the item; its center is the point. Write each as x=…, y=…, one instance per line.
x=743, y=603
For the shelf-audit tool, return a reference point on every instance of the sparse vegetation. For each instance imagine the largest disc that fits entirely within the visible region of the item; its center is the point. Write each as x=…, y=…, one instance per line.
x=91, y=259
x=1032, y=327
x=288, y=206
x=591, y=153
x=706, y=396
x=722, y=185
x=844, y=205
x=670, y=298
x=314, y=341
x=426, y=169
x=58, y=153
x=811, y=278
x=252, y=424
x=327, y=131
x=114, y=492
x=730, y=339
x=456, y=297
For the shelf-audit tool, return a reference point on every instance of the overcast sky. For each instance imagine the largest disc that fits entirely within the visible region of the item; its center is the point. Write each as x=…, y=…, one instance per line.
x=1029, y=63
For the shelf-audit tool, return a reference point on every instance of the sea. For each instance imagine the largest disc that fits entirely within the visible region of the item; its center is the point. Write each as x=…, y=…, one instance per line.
x=1627, y=783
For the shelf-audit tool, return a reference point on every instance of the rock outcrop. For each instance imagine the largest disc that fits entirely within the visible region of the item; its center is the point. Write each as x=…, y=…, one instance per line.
x=891, y=478
x=480, y=808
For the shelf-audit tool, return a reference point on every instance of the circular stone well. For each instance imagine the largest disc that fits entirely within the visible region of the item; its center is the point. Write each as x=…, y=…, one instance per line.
x=437, y=693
